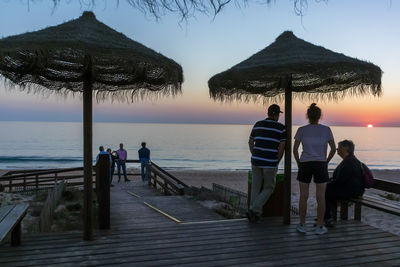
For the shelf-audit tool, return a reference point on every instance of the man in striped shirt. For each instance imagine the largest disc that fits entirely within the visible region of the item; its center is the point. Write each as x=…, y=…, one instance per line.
x=267, y=144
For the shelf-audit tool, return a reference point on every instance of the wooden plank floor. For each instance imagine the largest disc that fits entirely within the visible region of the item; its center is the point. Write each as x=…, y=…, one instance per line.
x=151, y=239
x=130, y=205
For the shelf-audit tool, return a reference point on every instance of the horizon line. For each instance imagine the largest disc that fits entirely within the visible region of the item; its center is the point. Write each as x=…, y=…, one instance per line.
x=385, y=125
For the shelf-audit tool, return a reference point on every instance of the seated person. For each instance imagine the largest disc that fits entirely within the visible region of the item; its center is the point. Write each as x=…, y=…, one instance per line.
x=347, y=180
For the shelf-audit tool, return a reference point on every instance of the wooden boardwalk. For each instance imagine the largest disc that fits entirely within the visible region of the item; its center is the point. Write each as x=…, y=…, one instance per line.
x=141, y=236
x=135, y=204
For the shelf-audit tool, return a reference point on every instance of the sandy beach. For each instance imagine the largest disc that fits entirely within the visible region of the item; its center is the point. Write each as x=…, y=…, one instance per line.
x=238, y=180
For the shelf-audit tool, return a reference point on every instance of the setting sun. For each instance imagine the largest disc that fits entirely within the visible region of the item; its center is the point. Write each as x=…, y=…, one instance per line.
x=370, y=126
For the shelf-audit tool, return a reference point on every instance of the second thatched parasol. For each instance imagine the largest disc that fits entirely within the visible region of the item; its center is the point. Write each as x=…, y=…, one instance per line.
x=86, y=56
x=293, y=65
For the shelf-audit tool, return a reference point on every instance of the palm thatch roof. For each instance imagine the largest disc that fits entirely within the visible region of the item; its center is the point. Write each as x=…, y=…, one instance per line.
x=56, y=58
x=316, y=73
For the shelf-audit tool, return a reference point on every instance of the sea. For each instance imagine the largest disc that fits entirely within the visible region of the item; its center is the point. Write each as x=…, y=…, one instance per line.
x=39, y=145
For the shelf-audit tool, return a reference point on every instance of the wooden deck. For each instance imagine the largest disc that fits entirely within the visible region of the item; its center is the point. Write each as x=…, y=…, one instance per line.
x=142, y=236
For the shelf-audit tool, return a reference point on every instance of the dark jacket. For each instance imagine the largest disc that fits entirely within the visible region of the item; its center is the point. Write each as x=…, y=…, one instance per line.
x=144, y=153
x=348, y=176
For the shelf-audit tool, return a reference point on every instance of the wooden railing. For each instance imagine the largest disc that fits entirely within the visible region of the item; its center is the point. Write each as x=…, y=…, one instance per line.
x=46, y=215
x=32, y=180
x=385, y=185
x=371, y=201
x=164, y=181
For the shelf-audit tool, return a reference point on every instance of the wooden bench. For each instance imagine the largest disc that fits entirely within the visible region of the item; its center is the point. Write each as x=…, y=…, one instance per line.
x=370, y=201
x=10, y=221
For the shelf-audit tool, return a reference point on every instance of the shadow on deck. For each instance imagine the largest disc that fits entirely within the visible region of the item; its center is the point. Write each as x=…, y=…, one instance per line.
x=142, y=236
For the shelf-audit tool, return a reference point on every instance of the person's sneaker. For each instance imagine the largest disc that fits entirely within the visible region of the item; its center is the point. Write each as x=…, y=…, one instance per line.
x=111, y=185
x=301, y=228
x=127, y=180
x=321, y=230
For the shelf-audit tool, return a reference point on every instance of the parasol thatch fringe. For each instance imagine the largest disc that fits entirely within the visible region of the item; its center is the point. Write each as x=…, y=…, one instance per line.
x=316, y=73
x=305, y=97
x=36, y=89
x=57, y=58
x=143, y=92
x=136, y=95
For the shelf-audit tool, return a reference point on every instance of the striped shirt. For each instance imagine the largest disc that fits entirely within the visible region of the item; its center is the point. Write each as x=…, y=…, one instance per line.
x=267, y=135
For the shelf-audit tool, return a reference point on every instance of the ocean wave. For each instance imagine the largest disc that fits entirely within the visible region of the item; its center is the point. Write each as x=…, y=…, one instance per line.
x=18, y=162
x=7, y=159
x=190, y=160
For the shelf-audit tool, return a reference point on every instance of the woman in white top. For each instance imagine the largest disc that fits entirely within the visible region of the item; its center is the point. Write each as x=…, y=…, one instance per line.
x=313, y=162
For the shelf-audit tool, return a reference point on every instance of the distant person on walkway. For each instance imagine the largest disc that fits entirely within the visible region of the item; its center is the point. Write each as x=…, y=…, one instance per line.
x=114, y=157
x=144, y=158
x=121, y=162
x=347, y=181
x=313, y=162
x=267, y=145
x=102, y=152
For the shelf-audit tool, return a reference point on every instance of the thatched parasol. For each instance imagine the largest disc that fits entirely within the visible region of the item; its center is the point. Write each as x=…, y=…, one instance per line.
x=86, y=56
x=293, y=65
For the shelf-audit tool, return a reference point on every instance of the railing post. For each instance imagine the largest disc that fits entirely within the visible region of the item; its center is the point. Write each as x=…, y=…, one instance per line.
x=37, y=181
x=24, y=183
x=357, y=211
x=103, y=190
x=154, y=184
x=334, y=210
x=149, y=175
x=344, y=212
x=10, y=185
x=55, y=178
x=166, y=191
x=16, y=235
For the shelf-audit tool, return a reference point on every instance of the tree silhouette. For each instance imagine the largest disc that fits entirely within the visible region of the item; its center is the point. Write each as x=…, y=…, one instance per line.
x=183, y=8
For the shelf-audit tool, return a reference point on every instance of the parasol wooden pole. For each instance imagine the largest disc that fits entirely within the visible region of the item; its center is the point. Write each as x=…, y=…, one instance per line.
x=288, y=153
x=87, y=152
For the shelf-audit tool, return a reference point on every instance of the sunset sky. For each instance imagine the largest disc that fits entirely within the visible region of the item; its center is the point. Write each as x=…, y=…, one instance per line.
x=365, y=29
